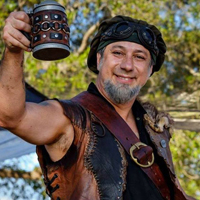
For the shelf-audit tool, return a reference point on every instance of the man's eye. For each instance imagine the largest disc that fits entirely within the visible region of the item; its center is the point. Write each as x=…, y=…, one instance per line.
x=140, y=57
x=117, y=53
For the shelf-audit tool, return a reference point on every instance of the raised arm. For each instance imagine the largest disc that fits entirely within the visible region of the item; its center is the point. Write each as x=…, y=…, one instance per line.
x=11, y=69
x=41, y=124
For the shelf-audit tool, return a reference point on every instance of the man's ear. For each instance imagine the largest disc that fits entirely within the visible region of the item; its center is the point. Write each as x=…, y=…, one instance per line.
x=98, y=60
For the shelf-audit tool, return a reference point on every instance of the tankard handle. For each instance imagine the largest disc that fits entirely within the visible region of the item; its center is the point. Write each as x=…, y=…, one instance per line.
x=28, y=35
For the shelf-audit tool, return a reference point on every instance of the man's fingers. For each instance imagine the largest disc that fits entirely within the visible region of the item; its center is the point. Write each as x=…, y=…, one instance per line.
x=18, y=35
x=14, y=38
x=12, y=34
x=19, y=21
x=21, y=16
x=20, y=25
x=15, y=44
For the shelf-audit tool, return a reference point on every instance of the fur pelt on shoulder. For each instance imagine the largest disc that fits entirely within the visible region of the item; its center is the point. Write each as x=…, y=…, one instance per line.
x=157, y=120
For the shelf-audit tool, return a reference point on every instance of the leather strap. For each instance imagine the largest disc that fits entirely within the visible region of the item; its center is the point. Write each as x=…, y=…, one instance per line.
x=119, y=128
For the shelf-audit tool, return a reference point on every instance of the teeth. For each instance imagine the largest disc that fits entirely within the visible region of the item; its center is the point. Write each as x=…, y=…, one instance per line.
x=124, y=78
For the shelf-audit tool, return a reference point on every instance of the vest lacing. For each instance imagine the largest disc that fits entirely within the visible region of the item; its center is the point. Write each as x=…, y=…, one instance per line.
x=49, y=189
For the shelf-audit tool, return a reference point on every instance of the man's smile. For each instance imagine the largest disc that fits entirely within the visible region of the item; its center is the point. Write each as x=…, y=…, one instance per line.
x=124, y=78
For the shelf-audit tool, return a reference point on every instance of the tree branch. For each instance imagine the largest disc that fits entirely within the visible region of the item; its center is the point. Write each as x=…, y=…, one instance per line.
x=186, y=124
x=91, y=30
x=86, y=37
x=196, y=74
x=190, y=176
x=182, y=110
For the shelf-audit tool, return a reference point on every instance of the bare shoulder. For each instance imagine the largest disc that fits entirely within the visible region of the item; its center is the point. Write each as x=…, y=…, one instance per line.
x=42, y=123
x=58, y=147
x=53, y=105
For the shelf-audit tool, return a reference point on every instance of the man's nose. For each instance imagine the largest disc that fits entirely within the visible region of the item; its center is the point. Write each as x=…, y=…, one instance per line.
x=128, y=63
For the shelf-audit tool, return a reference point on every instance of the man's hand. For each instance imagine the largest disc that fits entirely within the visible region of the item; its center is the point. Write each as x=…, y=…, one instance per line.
x=14, y=39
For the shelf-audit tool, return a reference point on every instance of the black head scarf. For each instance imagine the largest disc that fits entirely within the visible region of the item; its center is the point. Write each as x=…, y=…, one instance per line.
x=92, y=59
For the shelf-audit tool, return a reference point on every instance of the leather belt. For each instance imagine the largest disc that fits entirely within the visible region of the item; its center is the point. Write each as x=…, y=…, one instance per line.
x=140, y=153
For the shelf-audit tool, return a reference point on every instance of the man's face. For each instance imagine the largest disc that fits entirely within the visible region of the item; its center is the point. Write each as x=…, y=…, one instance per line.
x=123, y=70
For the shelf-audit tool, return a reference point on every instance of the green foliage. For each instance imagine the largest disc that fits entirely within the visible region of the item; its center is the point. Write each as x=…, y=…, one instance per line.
x=60, y=79
x=185, y=147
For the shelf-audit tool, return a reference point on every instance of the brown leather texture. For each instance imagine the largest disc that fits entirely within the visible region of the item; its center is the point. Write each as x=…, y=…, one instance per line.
x=69, y=175
x=70, y=179
x=160, y=140
x=111, y=119
x=45, y=35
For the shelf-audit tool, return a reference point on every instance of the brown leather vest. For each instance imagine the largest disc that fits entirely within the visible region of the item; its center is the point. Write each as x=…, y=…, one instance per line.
x=77, y=176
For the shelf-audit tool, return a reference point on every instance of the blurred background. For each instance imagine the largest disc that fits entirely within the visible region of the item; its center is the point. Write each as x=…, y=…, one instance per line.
x=174, y=89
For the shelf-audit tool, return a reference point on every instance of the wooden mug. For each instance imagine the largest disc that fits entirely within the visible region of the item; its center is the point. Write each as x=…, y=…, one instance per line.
x=50, y=31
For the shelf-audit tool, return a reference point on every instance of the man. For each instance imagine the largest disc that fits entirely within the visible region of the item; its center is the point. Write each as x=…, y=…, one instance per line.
x=80, y=156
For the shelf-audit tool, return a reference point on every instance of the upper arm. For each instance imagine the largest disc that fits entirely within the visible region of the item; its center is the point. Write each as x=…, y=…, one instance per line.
x=43, y=123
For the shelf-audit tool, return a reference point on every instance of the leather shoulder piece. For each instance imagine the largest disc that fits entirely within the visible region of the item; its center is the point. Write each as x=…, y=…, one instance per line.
x=159, y=126
x=75, y=112
x=158, y=120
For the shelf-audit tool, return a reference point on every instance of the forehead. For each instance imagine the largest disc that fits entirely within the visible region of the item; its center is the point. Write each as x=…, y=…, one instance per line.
x=128, y=46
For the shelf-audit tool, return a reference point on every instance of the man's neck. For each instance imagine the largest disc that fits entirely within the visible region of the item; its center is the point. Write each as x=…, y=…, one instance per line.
x=124, y=110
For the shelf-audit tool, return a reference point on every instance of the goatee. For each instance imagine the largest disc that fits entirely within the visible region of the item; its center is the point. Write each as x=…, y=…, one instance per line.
x=120, y=93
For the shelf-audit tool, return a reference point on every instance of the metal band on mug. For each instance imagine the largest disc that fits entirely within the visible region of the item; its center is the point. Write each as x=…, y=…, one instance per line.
x=50, y=25
x=48, y=5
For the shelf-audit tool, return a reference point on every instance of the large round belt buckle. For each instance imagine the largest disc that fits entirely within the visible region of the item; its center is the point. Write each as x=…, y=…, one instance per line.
x=138, y=145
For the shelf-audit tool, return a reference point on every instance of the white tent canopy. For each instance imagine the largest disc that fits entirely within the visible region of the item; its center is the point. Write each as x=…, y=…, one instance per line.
x=12, y=146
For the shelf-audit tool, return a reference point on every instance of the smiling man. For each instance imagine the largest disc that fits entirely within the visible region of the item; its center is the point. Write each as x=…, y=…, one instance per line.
x=123, y=71
x=103, y=144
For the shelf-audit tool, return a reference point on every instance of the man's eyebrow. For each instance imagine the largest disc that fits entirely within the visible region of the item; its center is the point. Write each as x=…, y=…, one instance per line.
x=140, y=51
x=117, y=46
x=135, y=50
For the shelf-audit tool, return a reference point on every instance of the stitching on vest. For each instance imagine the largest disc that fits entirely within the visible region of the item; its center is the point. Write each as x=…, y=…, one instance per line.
x=90, y=147
x=124, y=166
x=77, y=125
